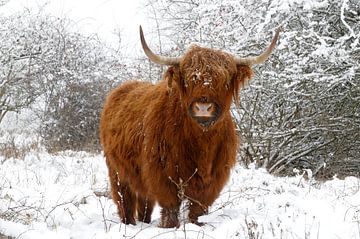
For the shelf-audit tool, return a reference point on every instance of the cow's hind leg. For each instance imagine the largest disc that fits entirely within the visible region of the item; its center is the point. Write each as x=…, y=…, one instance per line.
x=144, y=209
x=123, y=197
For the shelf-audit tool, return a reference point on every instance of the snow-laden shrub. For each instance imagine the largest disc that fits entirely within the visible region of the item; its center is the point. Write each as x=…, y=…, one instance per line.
x=71, y=120
x=66, y=73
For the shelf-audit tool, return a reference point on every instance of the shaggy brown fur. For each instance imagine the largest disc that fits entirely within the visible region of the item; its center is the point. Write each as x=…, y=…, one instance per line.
x=155, y=150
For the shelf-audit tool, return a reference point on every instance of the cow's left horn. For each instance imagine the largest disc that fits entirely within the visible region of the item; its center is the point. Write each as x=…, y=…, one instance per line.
x=162, y=60
x=262, y=57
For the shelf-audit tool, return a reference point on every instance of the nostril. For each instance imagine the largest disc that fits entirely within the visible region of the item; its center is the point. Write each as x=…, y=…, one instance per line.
x=209, y=108
x=197, y=108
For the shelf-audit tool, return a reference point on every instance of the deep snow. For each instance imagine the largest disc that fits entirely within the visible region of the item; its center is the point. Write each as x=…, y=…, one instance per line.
x=52, y=196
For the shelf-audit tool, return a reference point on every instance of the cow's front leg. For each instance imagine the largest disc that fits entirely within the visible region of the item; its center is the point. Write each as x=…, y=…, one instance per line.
x=169, y=217
x=197, y=209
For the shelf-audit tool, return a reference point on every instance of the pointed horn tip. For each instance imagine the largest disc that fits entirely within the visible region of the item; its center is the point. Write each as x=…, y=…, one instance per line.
x=152, y=56
x=265, y=55
x=277, y=33
x=278, y=30
x=141, y=32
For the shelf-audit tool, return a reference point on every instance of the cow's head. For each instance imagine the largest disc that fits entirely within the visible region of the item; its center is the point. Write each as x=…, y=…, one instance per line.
x=207, y=79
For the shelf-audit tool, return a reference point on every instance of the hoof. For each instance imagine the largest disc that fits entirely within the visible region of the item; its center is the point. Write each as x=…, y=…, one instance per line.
x=196, y=222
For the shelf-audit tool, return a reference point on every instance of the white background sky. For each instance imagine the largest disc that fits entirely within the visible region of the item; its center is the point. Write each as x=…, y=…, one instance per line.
x=104, y=17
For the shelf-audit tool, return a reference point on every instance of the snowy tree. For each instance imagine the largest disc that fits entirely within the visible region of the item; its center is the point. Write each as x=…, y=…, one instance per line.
x=302, y=109
x=20, y=50
x=65, y=72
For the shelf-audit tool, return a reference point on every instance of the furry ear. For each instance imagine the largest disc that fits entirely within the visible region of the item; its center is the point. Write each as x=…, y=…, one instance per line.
x=173, y=74
x=243, y=74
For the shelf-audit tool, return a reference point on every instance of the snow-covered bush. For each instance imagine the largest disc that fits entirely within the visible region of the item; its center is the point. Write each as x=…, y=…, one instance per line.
x=71, y=120
x=66, y=73
x=302, y=109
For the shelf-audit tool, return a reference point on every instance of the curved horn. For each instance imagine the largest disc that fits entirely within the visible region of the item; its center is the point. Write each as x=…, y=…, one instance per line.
x=253, y=60
x=162, y=60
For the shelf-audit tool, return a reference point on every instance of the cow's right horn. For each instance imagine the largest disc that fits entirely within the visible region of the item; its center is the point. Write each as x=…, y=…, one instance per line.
x=162, y=60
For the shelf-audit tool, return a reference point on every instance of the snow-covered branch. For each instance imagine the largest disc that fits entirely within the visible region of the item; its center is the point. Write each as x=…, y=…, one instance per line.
x=344, y=7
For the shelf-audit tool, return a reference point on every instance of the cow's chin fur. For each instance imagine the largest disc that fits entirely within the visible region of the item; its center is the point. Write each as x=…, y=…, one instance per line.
x=202, y=126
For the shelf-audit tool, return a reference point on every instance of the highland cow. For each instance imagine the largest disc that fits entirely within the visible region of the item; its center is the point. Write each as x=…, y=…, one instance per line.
x=174, y=140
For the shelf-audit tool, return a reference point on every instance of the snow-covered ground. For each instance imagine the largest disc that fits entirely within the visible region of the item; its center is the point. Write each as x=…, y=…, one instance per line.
x=53, y=196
